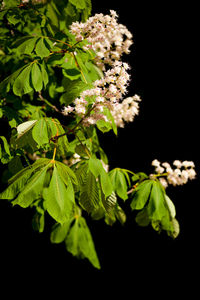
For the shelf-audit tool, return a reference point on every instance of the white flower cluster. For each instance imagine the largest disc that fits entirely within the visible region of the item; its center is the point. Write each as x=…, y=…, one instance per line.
x=108, y=92
x=179, y=175
x=105, y=36
x=126, y=110
x=109, y=40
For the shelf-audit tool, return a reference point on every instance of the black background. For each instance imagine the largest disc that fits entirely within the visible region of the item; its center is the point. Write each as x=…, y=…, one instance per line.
x=133, y=259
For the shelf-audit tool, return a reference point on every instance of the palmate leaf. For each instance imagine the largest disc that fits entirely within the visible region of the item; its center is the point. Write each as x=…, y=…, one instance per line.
x=37, y=133
x=141, y=194
x=32, y=76
x=79, y=242
x=39, y=181
x=157, y=209
x=33, y=189
x=18, y=182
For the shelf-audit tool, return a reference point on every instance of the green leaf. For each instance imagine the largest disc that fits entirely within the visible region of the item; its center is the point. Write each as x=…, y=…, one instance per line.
x=22, y=85
x=19, y=180
x=156, y=206
x=41, y=48
x=59, y=232
x=119, y=183
x=103, y=126
x=66, y=173
x=62, y=143
x=70, y=69
x=110, y=202
x=73, y=90
x=45, y=76
x=38, y=221
x=79, y=242
x=36, y=76
x=89, y=193
x=141, y=194
x=40, y=133
x=5, y=85
x=176, y=228
x=23, y=128
x=27, y=46
x=33, y=188
x=59, y=198
x=142, y=218
x=80, y=4
x=171, y=206
x=24, y=138
x=120, y=214
x=6, y=145
x=96, y=167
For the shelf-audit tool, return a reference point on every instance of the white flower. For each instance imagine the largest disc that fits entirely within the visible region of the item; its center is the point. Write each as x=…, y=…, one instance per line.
x=191, y=174
x=177, y=163
x=67, y=110
x=159, y=170
x=163, y=181
x=155, y=163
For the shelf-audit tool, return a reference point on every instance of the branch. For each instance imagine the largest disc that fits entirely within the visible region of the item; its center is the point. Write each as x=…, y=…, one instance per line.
x=48, y=103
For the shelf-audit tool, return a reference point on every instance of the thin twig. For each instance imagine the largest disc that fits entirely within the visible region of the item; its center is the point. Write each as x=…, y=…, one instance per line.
x=48, y=103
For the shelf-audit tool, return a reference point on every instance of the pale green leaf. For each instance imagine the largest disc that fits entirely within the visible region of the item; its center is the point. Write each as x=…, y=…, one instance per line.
x=25, y=127
x=171, y=206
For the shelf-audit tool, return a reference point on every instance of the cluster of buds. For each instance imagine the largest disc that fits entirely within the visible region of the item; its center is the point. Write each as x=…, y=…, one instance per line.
x=177, y=175
x=105, y=36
